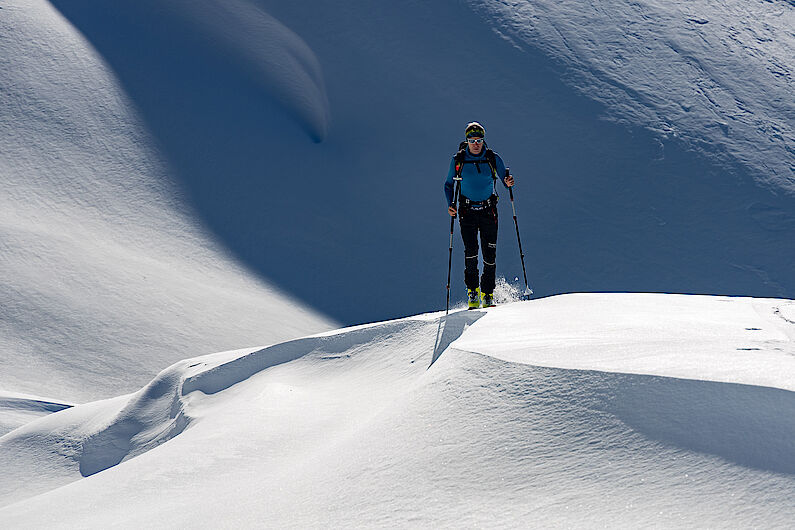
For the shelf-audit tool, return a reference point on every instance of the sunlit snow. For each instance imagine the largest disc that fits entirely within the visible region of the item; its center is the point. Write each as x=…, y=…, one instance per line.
x=187, y=177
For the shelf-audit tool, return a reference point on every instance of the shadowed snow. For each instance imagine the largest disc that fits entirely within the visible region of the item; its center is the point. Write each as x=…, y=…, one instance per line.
x=106, y=274
x=657, y=198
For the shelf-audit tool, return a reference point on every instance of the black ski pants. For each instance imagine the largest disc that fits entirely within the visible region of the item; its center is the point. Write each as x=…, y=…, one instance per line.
x=483, y=222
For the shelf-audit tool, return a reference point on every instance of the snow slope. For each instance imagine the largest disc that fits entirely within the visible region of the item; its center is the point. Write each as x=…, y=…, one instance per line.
x=652, y=151
x=18, y=409
x=572, y=411
x=103, y=265
x=715, y=74
x=186, y=177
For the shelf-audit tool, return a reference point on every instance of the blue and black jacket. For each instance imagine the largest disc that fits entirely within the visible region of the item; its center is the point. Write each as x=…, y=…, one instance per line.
x=477, y=181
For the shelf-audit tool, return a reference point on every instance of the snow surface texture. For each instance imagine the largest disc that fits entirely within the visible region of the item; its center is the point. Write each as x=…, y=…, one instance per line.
x=102, y=264
x=155, y=154
x=18, y=409
x=617, y=410
x=716, y=74
x=237, y=95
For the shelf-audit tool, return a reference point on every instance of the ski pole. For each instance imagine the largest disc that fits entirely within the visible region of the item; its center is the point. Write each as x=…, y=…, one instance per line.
x=527, y=290
x=457, y=179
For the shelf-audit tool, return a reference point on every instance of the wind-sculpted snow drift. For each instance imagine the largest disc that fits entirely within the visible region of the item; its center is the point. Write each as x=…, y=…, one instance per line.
x=610, y=409
x=17, y=410
x=104, y=268
x=278, y=59
x=94, y=437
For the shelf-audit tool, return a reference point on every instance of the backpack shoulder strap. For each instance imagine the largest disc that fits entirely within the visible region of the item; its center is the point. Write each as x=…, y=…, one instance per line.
x=492, y=161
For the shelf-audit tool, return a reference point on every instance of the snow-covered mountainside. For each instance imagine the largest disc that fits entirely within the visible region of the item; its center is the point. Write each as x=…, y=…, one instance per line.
x=182, y=177
x=652, y=151
x=715, y=74
x=582, y=410
x=103, y=266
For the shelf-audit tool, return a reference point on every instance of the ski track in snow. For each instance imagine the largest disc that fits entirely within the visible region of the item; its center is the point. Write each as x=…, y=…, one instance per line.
x=415, y=422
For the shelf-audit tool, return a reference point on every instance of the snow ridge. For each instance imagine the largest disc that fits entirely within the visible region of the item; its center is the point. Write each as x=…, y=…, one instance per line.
x=92, y=438
x=282, y=62
x=104, y=264
x=367, y=420
x=18, y=409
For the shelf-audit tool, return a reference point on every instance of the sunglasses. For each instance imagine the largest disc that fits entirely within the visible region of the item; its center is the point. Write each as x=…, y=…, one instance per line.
x=474, y=140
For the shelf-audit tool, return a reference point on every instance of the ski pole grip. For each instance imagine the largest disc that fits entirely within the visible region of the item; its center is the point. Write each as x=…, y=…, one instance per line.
x=510, y=188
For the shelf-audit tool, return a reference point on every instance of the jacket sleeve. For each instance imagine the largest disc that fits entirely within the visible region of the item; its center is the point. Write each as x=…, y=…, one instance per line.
x=448, y=184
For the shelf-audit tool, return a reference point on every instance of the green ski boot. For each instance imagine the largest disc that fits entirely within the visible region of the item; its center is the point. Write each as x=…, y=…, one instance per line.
x=487, y=300
x=474, y=298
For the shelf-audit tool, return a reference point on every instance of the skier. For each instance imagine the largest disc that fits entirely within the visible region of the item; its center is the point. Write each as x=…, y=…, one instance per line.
x=478, y=169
